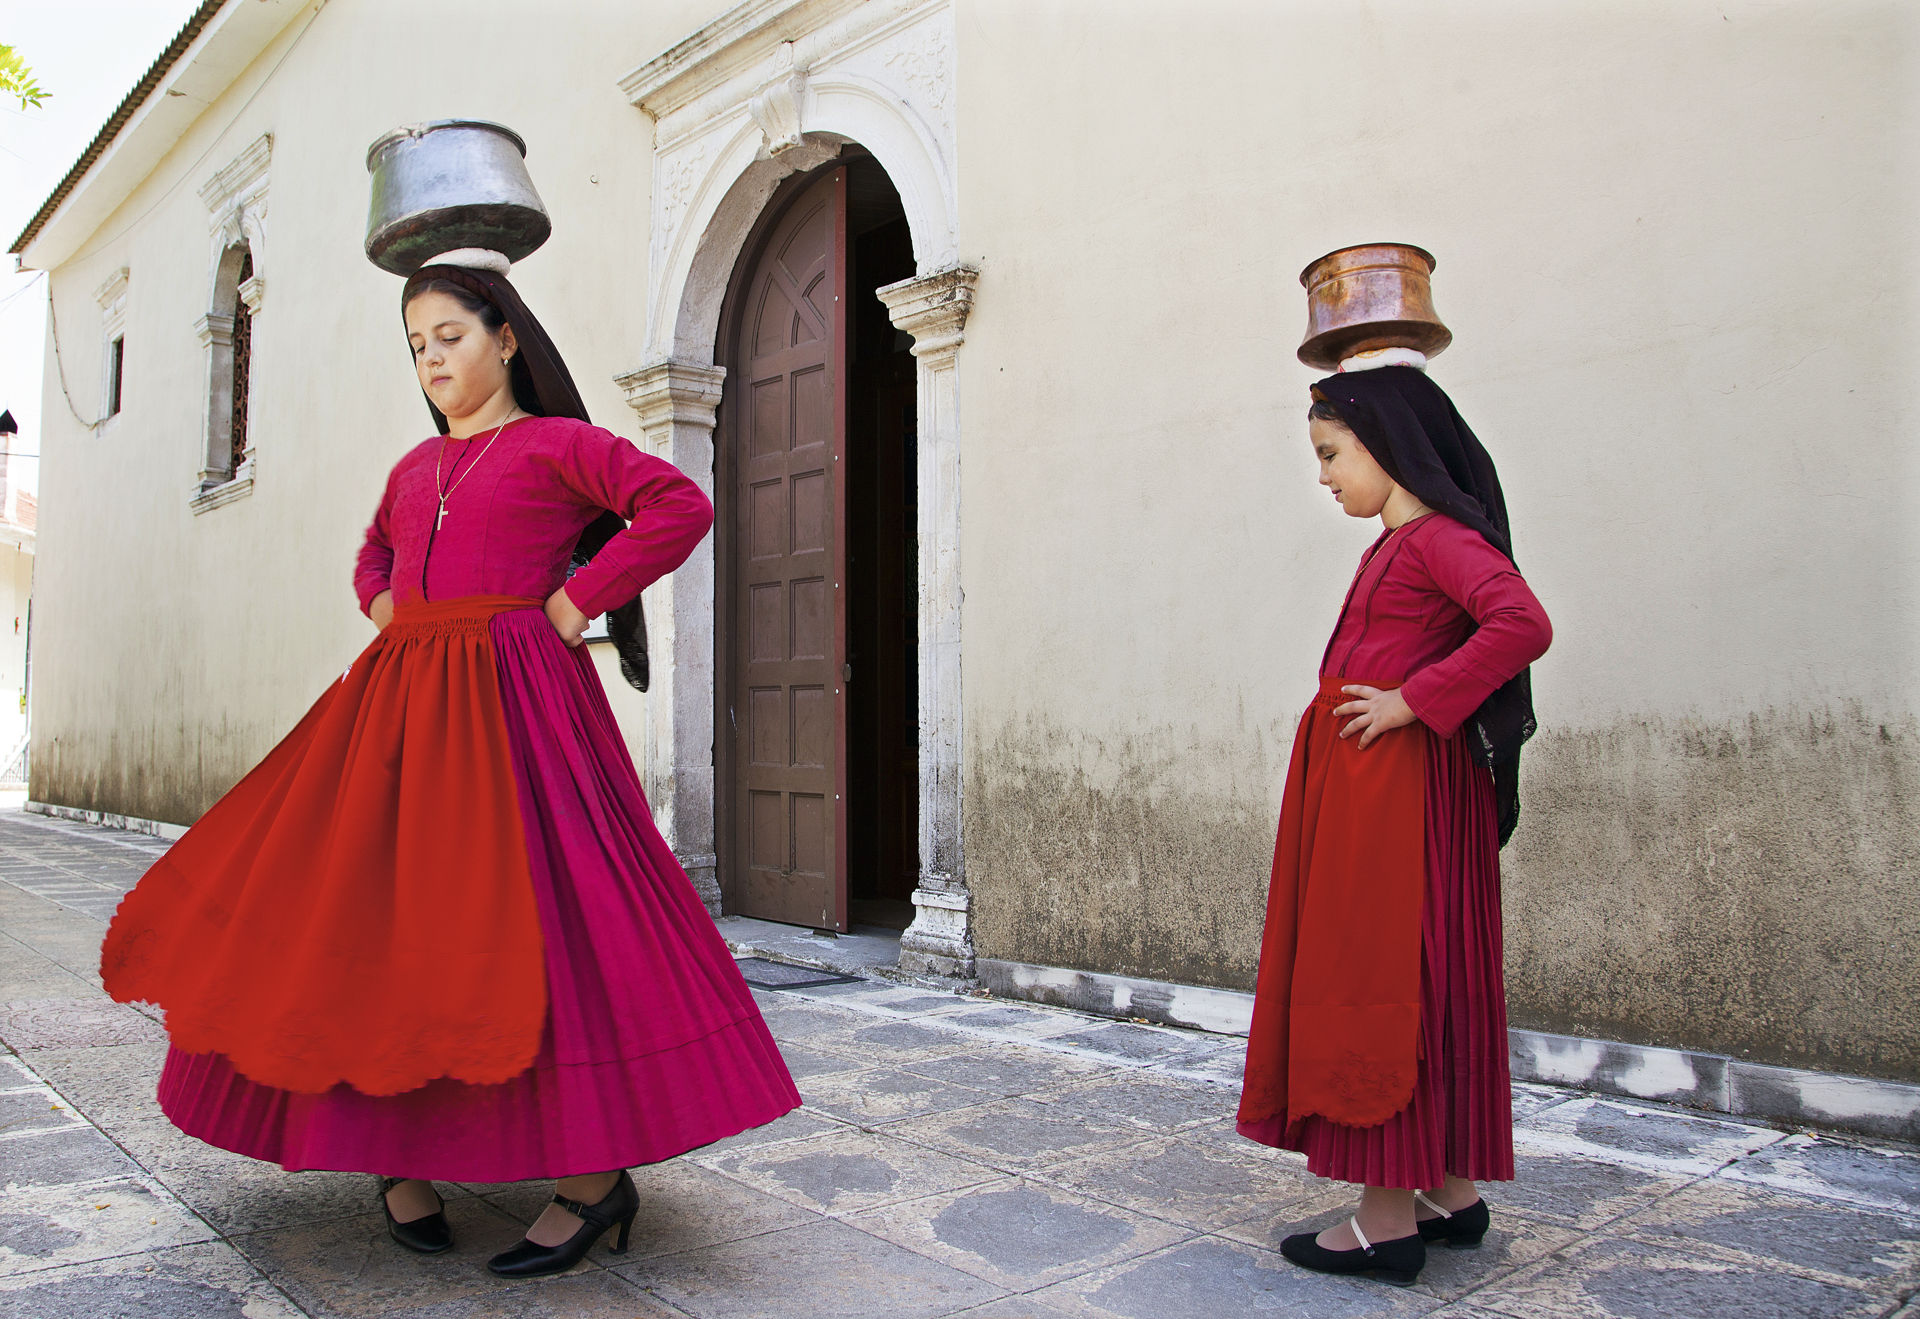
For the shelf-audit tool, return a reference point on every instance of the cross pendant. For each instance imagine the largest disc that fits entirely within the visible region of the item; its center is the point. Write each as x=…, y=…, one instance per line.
x=439, y=521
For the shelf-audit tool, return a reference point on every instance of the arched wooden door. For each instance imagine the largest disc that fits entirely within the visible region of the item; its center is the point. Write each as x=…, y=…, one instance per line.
x=785, y=712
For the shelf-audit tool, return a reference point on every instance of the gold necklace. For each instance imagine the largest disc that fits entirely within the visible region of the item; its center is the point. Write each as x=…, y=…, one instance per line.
x=441, y=457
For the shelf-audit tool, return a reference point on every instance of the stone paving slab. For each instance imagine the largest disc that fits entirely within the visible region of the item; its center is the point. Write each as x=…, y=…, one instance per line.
x=1018, y=1234
x=51, y=1023
x=957, y=1156
x=1605, y=1277
x=1206, y=1188
x=207, y=1281
x=820, y=1268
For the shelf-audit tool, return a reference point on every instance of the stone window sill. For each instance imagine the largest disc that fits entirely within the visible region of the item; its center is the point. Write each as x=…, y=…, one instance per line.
x=221, y=495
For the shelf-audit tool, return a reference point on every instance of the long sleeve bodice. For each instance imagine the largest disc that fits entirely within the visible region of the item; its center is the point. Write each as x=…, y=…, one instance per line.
x=514, y=512
x=1437, y=610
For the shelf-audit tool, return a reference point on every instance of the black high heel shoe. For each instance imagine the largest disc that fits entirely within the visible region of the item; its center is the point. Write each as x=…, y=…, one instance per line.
x=1461, y=1229
x=426, y=1236
x=621, y=1205
x=1398, y=1261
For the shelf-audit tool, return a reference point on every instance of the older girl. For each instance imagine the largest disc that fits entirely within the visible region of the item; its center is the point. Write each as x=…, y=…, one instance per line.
x=435, y=934
x=1379, y=1043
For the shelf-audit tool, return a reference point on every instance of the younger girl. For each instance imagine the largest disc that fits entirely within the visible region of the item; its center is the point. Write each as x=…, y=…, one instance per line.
x=1379, y=1039
x=435, y=934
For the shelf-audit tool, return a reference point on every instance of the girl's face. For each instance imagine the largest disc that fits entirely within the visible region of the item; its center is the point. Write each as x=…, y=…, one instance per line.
x=457, y=358
x=1346, y=468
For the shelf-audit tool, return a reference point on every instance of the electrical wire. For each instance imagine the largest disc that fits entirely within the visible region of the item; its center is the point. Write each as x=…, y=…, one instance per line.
x=60, y=366
x=53, y=319
x=7, y=301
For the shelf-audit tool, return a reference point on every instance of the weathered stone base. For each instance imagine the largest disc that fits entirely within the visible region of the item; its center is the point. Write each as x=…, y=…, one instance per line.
x=108, y=820
x=938, y=943
x=1789, y=1095
x=1223, y=1011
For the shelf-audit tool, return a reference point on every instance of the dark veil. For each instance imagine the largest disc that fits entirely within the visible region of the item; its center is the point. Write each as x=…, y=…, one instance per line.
x=1418, y=437
x=543, y=386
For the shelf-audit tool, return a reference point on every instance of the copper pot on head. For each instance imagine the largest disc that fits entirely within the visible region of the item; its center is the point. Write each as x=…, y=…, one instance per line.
x=1376, y=295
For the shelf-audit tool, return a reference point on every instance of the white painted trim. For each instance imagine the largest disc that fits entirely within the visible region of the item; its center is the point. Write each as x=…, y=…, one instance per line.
x=769, y=89
x=934, y=310
x=225, y=493
x=675, y=403
x=108, y=820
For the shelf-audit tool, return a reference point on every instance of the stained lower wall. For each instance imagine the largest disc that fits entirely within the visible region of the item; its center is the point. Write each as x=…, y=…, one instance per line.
x=1749, y=888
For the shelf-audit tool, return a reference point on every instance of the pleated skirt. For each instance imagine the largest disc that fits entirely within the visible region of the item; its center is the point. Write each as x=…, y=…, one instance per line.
x=1459, y=1119
x=376, y=1037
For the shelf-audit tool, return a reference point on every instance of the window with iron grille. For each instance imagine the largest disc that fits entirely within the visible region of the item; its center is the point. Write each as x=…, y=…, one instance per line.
x=242, y=363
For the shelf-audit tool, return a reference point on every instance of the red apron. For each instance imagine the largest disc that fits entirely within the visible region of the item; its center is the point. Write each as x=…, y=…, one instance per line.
x=1336, y=1015
x=359, y=908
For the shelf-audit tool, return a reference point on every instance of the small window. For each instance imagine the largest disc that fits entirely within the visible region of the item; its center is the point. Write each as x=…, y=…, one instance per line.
x=116, y=367
x=242, y=367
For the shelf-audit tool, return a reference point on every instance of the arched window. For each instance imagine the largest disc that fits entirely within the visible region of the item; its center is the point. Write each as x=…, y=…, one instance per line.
x=226, y=332
x=236, y=201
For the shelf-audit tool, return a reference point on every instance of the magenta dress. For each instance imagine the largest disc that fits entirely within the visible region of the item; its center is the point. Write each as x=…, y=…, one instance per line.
x=651, y=1043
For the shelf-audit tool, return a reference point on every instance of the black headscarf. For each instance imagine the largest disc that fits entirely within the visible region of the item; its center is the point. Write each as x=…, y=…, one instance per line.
x=1419, y=439
x=544, y=387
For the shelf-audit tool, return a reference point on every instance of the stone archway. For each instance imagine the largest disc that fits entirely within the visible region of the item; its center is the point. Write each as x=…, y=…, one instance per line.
x=738, y=107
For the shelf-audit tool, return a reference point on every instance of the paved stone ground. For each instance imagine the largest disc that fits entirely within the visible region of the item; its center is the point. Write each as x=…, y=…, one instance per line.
x=955, y=1157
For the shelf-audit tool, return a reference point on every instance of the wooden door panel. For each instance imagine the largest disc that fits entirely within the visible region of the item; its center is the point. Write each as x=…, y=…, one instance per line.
x=769, y=425
x=812, y=525
x=787, y=639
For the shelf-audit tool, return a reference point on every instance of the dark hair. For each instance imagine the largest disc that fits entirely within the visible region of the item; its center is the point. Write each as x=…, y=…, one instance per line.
x=490, y=316
x=1325, y=411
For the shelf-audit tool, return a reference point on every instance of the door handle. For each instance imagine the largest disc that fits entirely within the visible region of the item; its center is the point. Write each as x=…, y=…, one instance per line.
x=846, y=673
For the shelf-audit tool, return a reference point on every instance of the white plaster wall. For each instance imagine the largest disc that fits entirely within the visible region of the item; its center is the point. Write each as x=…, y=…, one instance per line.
x=173, y=649
x=1674, y=246
x=1670, y=248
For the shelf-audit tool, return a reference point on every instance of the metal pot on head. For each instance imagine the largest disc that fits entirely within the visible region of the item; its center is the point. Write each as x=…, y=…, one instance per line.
x=1362, y=299
x=450, y=184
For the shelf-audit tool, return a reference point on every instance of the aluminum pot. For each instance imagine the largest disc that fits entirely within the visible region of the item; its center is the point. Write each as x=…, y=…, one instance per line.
x=1377, y=295
x=449, y=184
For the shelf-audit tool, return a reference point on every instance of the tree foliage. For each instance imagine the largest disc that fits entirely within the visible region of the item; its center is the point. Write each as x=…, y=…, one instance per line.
x=16, y=79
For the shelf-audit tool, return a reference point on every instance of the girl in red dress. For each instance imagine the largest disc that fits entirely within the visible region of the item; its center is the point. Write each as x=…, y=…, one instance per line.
x=435, y=934
x=1379, y=1038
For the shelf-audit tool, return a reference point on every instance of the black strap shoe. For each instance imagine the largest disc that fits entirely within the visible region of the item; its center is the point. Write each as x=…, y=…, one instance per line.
x=1461, y=1229
x=426, y=1236
x=620, y=1205
x=1398, y=1261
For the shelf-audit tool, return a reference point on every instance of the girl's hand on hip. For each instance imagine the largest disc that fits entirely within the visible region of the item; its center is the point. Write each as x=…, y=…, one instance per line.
x=1374, y=713
x=380, y=610
x=568, y=621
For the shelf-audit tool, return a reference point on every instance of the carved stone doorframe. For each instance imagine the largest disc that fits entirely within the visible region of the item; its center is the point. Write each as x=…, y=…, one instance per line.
x=770, y=88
